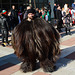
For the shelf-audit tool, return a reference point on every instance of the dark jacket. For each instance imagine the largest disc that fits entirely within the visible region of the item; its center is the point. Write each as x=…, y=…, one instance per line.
x=59, y=17
x=58, y=14
x=49, y=8
x=10, y=21
x=3, y=23
x=37, y=14
x=14, y=13
x=55, y=8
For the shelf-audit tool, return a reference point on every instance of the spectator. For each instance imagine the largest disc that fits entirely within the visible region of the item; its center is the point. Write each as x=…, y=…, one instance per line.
x=46, y=17
x=55, y=9
x=73, y=5
x=43, y=13
x=4, y=27
x=14, y=14
x=73, y=16
x=25, y=14
x=37, y=12
x=49, y=16
x=40, y=13
x=49, y=8
x=66, y=18
x=59, y=17
x=10, y=21
x=20, y=16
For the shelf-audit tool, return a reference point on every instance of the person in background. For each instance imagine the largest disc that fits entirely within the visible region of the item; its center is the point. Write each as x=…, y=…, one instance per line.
x=73, y=5
x=37, y=12
x=4, y=27
x=43, y=13
x=46, y=17
x=10, y=21
x=59, y=17
x=40, y=13
x=67, y=19
x=25, y=14
x=49, y=17
x=20, y=16
x=55, y=9
x=4, y=13
x=14, y=14
x=49, y=8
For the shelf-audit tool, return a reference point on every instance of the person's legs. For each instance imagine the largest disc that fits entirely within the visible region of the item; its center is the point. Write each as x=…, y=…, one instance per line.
x=6, y=36
x=59, y=26
x=69, y=30
x=2, y=31
x=66, y=30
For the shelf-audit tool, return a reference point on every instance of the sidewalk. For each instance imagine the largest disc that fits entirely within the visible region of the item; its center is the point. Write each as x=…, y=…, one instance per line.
x=10, y=64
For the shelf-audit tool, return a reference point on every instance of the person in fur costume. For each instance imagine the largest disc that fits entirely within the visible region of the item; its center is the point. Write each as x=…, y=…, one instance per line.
x=35, y=39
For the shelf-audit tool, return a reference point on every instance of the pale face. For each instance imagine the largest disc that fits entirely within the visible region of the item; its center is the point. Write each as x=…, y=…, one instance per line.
x=54, y=4
x=28, y=8
x=13, y=7
x=30, y=16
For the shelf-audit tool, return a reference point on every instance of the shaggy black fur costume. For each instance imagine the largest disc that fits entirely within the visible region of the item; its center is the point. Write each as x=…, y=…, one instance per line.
x=36, y=40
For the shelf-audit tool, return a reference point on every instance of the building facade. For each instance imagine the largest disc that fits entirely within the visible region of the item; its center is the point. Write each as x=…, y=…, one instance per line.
x=6, y=4
x=62, y=2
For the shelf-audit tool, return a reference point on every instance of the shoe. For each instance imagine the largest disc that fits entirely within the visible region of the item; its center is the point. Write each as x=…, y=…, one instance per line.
x=70, y=34
x=4, y=44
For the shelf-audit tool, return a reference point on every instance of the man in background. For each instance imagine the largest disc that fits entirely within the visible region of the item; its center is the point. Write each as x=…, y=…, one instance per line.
x=25, y=14
x=55, y=9
x=49, y=8
x=4, y=27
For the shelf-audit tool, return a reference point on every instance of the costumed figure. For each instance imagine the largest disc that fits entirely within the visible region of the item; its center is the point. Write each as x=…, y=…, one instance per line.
x=67, y=19
x=35, y=39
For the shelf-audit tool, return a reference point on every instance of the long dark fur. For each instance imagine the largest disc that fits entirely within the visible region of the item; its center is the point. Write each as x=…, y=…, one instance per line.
x=36, y=40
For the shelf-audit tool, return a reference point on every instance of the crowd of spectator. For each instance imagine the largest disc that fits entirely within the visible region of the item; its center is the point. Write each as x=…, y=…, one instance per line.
x=9, y=19
x=65, y=16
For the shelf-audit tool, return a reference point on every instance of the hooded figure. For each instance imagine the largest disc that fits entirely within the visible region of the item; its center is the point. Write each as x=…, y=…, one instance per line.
x=35, y=39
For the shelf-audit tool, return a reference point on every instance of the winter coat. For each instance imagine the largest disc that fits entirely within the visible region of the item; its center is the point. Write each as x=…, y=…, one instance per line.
x=14, y=13
x=4, y=23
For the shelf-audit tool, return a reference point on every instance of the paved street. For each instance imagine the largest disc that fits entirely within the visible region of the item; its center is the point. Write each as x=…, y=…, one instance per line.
x=10, y=64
